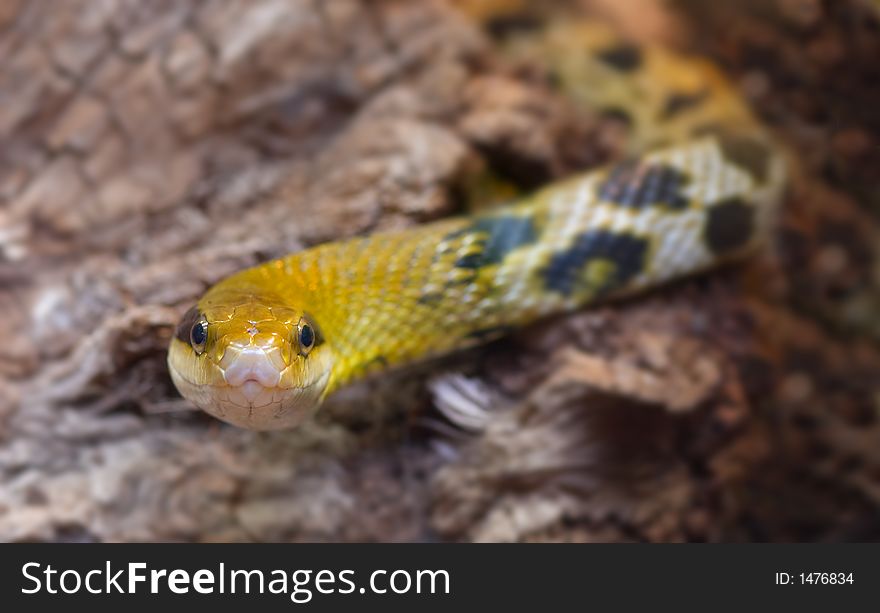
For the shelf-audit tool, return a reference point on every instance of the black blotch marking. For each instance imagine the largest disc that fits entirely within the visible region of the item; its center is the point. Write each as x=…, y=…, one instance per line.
x=624, y=58
x=186, y=323
x=487, y=334
x=625, y=251
x=749, y=154
x=637, y=185
x=498, y=237
x=471, y=260
x=729, y=226
x=678, y=102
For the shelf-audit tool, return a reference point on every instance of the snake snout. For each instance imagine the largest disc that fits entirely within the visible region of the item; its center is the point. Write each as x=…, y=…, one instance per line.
x=252, y=364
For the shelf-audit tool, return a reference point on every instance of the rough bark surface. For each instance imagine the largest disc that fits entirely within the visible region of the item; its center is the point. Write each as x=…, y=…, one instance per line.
x=151, y=148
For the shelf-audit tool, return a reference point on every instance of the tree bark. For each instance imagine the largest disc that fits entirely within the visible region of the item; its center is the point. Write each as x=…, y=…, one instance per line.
x=151, y=148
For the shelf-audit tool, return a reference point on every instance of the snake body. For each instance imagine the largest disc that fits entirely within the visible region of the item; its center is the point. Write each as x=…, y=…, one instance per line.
x=264, y=347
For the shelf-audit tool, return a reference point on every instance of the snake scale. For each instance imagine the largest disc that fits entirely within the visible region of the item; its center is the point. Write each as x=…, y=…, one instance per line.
x=264, y=347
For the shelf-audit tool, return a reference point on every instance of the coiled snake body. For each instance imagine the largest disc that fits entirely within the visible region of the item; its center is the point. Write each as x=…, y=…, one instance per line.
x=264, y=347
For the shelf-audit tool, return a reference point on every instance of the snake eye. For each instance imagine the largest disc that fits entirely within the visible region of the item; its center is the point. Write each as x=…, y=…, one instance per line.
x=198, y=335
x=306, y=338
x=307, y=335
x=193, y=329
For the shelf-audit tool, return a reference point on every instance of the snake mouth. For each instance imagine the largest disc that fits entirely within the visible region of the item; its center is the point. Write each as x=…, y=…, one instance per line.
x=253, y=377
x=252, y=387
x=253, y=395
x=255, y=406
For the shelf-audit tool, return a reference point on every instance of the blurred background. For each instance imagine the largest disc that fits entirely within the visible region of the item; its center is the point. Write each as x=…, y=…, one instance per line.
x=149, y=148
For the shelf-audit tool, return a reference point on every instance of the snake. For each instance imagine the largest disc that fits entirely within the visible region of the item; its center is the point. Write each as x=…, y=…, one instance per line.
x=698, y=186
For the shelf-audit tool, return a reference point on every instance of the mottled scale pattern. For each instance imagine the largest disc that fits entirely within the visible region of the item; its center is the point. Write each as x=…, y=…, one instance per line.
x=698, y=188
x=396, y=297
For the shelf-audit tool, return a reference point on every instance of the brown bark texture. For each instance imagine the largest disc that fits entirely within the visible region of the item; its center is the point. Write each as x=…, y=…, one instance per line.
x=149, y=148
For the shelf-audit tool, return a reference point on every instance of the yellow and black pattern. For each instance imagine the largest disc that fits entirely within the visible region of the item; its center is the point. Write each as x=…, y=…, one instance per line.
x=264, y=347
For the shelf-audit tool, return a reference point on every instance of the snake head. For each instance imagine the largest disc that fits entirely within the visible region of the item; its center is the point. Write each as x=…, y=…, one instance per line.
x=250, y=361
